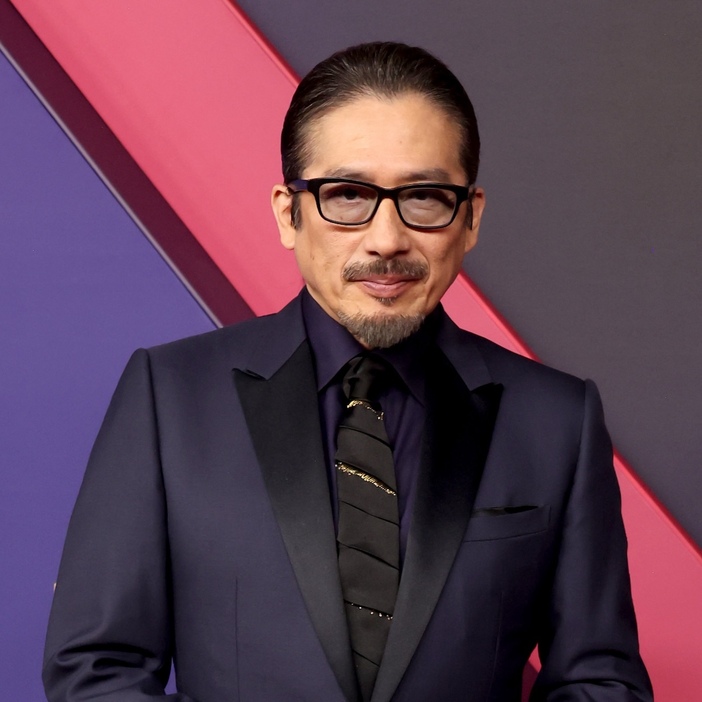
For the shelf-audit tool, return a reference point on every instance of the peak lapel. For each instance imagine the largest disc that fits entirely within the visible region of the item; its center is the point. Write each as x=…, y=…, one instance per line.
x=457, y=439
x=283, y=419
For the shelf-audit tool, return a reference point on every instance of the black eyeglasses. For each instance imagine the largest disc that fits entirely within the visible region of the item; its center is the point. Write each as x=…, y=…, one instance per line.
x=353, y=202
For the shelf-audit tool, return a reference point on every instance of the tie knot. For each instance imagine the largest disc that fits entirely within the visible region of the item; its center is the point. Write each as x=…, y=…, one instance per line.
x=365, y=378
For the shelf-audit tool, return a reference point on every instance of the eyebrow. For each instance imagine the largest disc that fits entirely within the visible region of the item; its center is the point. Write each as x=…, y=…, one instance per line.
x=429, y=174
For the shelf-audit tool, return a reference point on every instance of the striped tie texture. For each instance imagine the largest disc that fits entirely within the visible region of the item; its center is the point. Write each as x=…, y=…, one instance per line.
x=369, y=535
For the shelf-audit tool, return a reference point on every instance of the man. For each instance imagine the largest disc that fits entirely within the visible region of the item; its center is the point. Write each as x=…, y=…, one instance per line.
x=352, y=499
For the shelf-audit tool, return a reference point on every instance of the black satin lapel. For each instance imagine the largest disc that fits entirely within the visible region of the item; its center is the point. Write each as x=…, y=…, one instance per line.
x=283, y=419
x=456, y=443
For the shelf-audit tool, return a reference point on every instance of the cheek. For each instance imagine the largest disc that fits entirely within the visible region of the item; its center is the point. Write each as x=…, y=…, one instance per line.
x=324, y=260
x=445, y=260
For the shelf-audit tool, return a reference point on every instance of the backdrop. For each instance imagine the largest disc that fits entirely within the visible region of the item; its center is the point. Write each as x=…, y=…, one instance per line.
x=588, y=249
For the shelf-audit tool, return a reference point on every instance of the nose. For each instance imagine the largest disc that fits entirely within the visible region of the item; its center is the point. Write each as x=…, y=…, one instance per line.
x=385, y=235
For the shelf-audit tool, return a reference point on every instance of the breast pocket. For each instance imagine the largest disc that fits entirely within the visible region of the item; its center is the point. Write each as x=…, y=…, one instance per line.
x=491, y=523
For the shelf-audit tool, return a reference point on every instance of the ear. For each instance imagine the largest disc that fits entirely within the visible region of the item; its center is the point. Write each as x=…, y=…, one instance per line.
x=281, y=202
x=478, y=207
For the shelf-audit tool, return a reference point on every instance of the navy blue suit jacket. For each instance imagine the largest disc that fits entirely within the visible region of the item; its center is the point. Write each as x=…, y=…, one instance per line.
x=203, y=532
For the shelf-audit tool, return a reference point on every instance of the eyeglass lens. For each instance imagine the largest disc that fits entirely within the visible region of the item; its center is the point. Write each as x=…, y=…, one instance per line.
x=350, y=203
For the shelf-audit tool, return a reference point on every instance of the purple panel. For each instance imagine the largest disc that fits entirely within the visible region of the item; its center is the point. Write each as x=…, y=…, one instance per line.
x=80, y=288
x=116, y=166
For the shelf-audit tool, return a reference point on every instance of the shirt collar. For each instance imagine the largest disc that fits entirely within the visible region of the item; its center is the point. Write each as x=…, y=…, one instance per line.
x=333, y=346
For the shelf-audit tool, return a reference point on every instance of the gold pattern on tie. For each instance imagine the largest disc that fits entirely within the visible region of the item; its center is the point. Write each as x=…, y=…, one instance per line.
x=364, y=476
x=367, y=405
x=369, y=534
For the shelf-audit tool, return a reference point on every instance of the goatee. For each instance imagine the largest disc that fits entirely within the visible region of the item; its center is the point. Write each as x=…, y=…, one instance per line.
x=380, y=331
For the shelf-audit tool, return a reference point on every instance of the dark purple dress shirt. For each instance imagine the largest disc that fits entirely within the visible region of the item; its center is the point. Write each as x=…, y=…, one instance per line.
x=403, y=403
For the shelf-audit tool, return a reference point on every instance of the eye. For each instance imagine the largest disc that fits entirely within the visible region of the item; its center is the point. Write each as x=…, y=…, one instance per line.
x=346, y=192
x=429, y=198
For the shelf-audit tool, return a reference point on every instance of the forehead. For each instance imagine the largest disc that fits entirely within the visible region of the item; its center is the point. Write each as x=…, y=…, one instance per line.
x=386, y=140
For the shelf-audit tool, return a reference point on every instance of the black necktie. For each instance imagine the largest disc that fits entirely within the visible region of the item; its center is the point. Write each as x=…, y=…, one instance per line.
x=369, y=534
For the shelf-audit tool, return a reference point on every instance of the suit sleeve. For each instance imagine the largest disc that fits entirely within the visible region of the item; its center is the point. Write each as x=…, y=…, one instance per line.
x=110, y=630
x=589, y=646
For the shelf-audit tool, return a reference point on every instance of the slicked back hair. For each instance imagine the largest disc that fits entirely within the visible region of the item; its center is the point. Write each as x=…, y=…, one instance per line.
x=380, y=69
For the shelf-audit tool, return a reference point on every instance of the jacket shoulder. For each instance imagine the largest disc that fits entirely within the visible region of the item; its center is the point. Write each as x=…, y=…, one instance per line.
x=269, y=338
x=211, y=342
x=516, y=372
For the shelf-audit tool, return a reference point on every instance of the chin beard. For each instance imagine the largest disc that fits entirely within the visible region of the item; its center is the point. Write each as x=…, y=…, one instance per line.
x=380, y=331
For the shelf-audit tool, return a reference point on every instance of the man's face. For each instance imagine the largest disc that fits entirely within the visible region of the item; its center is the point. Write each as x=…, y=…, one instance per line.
x=382, y=274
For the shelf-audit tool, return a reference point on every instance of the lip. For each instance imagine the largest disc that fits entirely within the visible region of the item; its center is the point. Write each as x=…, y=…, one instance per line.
x=386, y=286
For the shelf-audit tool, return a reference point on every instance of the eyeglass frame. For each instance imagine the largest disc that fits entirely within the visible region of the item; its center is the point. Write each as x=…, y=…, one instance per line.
x=313, y=185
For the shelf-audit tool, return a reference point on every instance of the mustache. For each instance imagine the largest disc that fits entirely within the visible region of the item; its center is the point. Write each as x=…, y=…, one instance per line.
x=394, y=266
